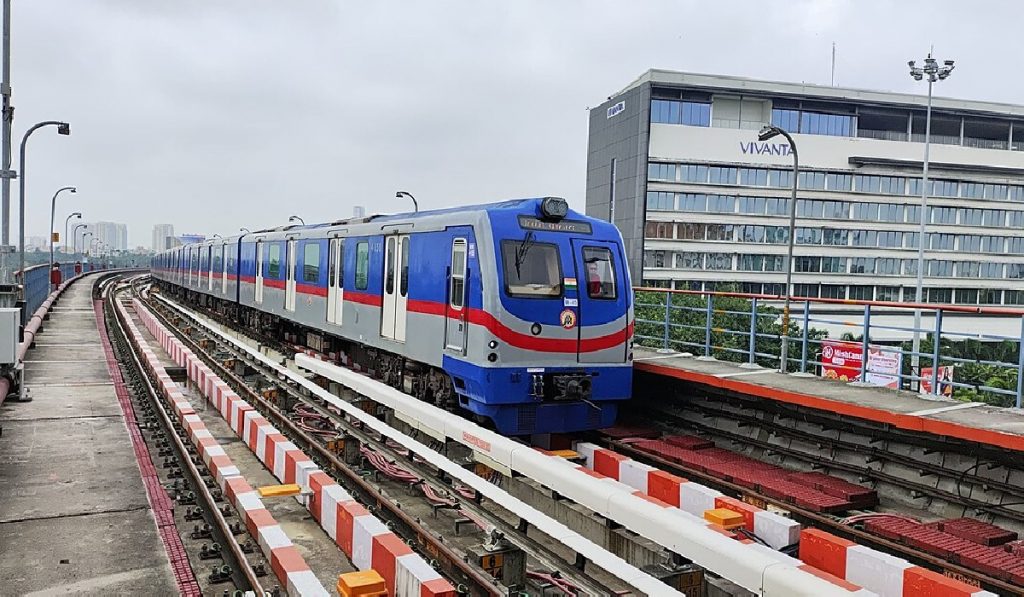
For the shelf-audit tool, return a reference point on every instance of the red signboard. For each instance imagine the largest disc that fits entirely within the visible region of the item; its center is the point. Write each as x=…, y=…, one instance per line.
x=842, y=361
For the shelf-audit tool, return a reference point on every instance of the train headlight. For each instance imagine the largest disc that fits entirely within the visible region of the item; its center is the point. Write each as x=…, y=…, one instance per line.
x=554, y=208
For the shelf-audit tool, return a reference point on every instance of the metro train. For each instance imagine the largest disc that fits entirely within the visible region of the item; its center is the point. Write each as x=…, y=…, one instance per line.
x=519, y=312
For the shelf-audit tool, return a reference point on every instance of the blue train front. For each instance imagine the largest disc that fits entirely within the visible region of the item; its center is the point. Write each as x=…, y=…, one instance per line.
x=519, y=312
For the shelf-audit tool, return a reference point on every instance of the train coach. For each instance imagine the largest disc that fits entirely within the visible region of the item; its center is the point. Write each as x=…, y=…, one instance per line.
x=519, y=312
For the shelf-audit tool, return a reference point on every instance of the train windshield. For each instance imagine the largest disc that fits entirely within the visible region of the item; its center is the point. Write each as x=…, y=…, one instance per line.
x=532, y=269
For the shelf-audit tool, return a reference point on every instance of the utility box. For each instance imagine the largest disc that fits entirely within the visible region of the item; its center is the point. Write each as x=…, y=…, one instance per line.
x=10, y=328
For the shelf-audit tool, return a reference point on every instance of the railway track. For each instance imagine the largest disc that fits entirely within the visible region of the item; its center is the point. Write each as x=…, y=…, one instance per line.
x=213, y=538
x=670, y=417
x=291, y=410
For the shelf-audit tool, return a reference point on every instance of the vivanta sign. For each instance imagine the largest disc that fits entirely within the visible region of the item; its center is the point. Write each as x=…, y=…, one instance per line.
x=762, y=148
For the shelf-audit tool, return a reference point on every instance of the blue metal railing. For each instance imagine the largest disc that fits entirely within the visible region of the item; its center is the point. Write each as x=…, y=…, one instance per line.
x=37, y=283
x=746, y=328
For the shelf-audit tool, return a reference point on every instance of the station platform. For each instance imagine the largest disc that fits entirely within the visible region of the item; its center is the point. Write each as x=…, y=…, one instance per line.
x=970, y=422
x=75, y=515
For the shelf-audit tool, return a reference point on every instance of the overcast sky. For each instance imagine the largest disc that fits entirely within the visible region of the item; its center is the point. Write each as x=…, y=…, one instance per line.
x=216, y=114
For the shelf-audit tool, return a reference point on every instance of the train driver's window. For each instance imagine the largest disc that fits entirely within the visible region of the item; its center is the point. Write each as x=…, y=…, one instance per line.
x=458, y=289
x=532, y=270
x=600, y=271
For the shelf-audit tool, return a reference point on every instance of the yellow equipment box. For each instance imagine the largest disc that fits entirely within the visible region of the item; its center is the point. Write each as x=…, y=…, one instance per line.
x=727, y=519
x=367, y=583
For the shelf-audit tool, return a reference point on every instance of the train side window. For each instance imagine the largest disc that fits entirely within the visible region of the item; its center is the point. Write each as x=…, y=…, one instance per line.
x=274, y=259
x=362, y=265
x=458, y=289
x=341, y=264
x=404, y=285
x=600, y=271
x=218, y=259
x=311, y=262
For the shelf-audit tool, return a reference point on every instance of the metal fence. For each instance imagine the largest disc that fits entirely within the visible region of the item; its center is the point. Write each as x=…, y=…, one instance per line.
x=956, y=355
x=37, y=283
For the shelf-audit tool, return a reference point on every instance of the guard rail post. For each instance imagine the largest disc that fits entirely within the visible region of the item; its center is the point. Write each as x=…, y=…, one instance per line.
x=807, y=325
x=753, y=332
x=1020, y=363
x=707, y=326
x=668, y=318
x=936, y=344
x=865, y=344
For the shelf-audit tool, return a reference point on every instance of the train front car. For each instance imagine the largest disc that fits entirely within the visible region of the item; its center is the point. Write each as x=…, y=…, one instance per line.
x=557, y=326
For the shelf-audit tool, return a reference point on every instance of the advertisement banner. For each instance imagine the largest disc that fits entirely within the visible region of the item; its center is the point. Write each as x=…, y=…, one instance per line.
x=842, y=361
x=945, y=377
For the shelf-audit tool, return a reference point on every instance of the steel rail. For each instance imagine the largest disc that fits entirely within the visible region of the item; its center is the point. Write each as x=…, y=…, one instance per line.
x=247, y=578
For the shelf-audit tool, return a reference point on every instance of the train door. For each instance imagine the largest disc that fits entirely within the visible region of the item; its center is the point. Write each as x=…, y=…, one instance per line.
x=335, y=280
x=289, y=291
x=601, y=299
x=396, y=287
x=259, y=271
x=224, y=268
x=455, y=311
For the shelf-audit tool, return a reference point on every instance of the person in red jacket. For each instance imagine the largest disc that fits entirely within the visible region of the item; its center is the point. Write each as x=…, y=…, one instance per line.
x=55, y=276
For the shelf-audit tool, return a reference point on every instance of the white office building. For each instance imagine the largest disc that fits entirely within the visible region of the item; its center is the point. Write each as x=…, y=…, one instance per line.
x=163, y=237
x=674, y=161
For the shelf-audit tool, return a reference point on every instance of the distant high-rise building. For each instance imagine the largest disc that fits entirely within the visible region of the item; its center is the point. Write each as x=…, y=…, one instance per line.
x=112, y=234
x=358, y=211
x=162, y=233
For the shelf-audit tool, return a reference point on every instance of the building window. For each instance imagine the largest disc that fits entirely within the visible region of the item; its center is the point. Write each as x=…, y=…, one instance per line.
x=865, y=212
x=944, y=188
x=996, y=192
x=753, y=177
x=814, y=181
x=722, y=175
x=832, y=291
x=910, y=267
x=993, y=244
x=995, y=217
x=968, y=269
x=833, y=265
x=911, y=238
x=787, y=120
x=862, y=293
x=835, y=237
x=751, y=288
x=660, y=200
x=862, y=265
x=1015, y=219
x=941, y=242
x=750, y=263
x=969, y=243
x=939, y=295
x=719, y=232
x=972, y=190
x=777, y=206
x=806, y=290
x=942, y=215
x=888, y=266
x=1015, y=245
x=750, y=234
x=782, y=179
x=724, y=204
x=808, y=263
x=837, y=210
x=654, y=258
x=865, y=238
x=774, y=263
x=776, y=235
x=807, y=208
x=753, y=205
x=913, y=214
x=1014, y=297
x=661, y=172
x=940, y=268
x=867, y=184
x=693, y=202
x=889, y=212
x=808, y=236
x=719, y=261
x=909, y=294
x=693, y=173
x=690, y=260
x=1016, y=194
x=659, y=230
x=971, y=217
x=677, y=112
x=887, y=293
x=991, y=296
x=892, y=185
x=991, y=270
x=814, y=123
x=689, y=231
x=839, y=182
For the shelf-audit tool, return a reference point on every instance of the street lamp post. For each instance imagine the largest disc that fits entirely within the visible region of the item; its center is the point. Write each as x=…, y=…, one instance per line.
x=74, y=237
x=85, y=234
x=293, y=218
x=244, y=231
x=415, y=205
x=63, y=128
x=78, y=215
x=53, y=212
x=933, y=72
x=767, y=133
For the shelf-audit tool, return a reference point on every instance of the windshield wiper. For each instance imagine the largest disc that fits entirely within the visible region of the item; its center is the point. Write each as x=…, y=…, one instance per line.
x=521, y=251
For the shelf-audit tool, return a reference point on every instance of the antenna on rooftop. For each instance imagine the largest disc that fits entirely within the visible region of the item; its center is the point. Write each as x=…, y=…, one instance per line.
x=833, y=64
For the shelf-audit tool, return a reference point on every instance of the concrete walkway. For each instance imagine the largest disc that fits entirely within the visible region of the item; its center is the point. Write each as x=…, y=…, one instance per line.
x=74, y=516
